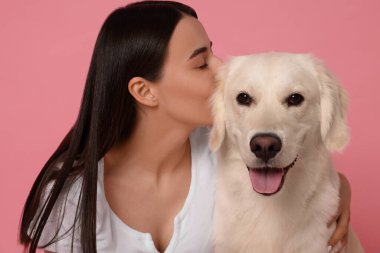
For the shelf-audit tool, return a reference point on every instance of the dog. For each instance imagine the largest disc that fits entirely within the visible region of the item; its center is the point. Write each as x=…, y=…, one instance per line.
x=276, y=118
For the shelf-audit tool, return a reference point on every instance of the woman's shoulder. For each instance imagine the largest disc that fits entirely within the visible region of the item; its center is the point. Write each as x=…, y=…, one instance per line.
x=201, y=152
x=61, y=224
x=199, y=137
x=70, y=193
x=199, y=131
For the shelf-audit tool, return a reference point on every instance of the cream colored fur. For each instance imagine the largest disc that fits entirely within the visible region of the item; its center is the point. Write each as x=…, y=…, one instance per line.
x=294, y=219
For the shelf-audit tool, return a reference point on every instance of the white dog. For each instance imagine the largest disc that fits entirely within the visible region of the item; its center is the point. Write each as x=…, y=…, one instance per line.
x=276, y=117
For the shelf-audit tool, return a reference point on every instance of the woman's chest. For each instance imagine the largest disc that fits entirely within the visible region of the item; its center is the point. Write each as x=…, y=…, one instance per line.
x=150, y=208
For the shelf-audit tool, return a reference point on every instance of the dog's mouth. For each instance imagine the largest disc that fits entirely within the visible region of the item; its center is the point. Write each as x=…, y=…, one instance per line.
x=269, y=180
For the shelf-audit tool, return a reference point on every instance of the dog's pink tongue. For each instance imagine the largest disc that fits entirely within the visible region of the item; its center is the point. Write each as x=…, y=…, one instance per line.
x=266, y=181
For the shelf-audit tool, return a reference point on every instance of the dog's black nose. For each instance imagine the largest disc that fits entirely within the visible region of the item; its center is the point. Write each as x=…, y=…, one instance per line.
x=265, y=146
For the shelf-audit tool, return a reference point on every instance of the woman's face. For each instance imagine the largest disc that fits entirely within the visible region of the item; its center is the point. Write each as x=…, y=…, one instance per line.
x=188, y=75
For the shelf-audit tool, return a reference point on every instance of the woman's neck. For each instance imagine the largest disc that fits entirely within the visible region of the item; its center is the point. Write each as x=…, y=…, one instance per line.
x=154, y=148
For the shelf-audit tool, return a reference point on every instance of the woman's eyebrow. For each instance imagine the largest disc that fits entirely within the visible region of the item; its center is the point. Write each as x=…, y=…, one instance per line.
x=199, y=51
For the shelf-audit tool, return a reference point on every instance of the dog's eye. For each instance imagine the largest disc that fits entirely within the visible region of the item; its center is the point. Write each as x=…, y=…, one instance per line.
x=295, y=99
x=244, y=99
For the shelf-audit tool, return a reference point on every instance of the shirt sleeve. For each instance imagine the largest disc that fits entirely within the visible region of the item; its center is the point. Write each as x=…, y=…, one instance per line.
x=61, y=221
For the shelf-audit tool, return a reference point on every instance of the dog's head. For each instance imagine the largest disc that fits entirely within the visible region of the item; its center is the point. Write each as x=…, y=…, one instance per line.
x=273, y=105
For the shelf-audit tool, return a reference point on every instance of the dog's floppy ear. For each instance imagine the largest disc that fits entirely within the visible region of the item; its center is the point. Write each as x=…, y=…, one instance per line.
x=334, y=129
x=218, y=110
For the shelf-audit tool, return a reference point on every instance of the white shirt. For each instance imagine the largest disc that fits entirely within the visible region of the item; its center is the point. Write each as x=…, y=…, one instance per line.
x=192, y=225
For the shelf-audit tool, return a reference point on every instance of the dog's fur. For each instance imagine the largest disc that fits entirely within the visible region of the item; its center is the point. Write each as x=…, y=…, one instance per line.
x=295, y=218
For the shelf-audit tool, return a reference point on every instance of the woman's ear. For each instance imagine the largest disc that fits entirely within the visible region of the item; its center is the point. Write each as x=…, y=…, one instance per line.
x=143, y=91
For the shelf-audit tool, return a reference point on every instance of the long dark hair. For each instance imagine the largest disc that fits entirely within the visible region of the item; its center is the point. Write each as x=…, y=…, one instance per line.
x=132, y=42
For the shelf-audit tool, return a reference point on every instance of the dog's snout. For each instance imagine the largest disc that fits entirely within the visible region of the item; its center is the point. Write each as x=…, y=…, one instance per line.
x=265, y=146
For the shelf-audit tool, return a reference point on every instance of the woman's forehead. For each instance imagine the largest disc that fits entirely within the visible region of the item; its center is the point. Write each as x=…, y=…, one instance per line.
x=188, y=36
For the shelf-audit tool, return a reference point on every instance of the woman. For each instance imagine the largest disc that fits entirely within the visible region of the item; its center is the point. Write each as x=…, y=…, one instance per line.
x=134, y=174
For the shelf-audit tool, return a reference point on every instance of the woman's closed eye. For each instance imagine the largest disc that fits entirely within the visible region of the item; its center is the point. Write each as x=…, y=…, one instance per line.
x=204, y=66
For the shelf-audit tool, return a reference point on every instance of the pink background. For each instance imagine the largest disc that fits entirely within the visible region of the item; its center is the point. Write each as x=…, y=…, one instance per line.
x=45, y=49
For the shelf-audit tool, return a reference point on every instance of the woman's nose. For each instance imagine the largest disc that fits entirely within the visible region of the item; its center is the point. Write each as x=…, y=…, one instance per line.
x=219, y=62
